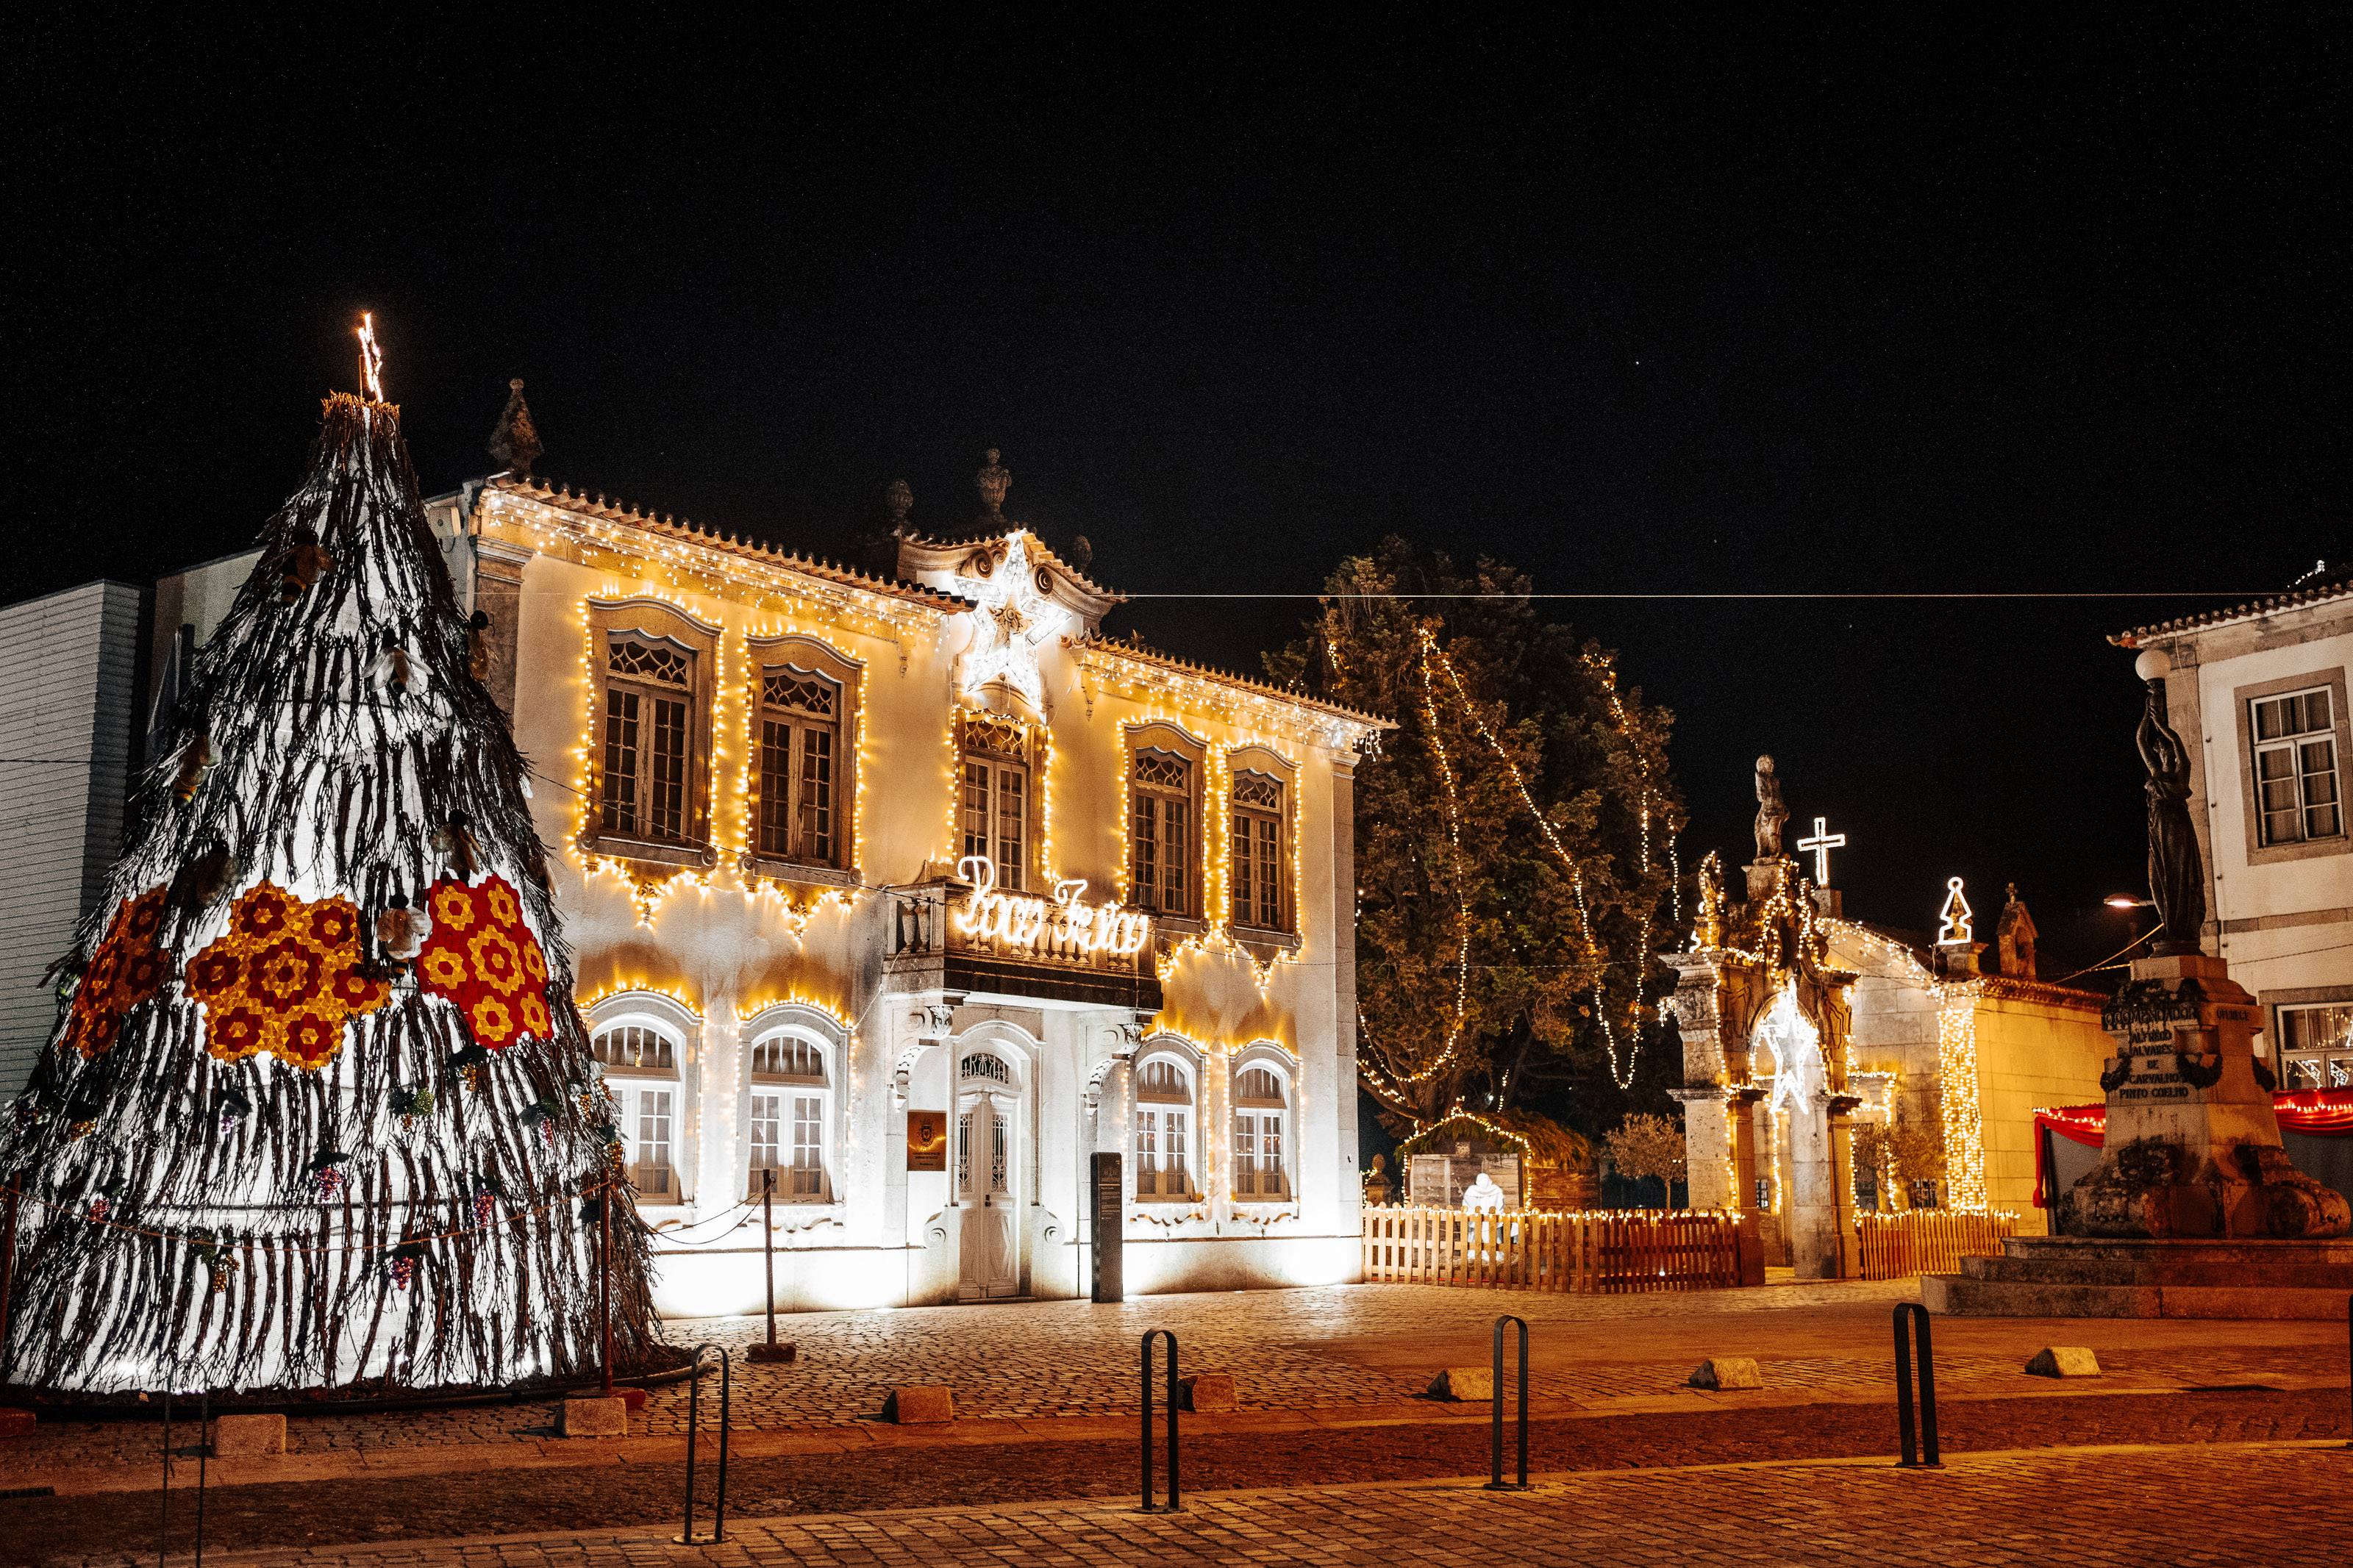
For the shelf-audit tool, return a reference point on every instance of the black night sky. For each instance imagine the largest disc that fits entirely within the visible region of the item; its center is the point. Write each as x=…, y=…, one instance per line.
x=1869, y=304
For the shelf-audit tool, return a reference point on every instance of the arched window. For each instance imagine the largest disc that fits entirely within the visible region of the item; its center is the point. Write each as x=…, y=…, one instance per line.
x=792, y=1109
x=1259, y=847
x=994, y=811
x=800, y=747
x=1261, y=1108
x=1161, y=815
x=1164, y=1131
x=640, y=1065
x=651, y=670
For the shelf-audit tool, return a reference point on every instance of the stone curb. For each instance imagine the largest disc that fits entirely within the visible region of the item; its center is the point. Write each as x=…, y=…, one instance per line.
x=659, y=1536
x=558, y=1453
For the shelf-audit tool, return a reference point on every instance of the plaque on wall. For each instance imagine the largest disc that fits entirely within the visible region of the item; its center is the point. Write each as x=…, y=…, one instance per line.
x=927, y=1140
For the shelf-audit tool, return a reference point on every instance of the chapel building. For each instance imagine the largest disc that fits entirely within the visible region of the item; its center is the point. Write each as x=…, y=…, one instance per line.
x=908, y=895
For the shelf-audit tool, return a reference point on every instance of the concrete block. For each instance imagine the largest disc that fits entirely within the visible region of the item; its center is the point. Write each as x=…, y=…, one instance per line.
x=1728, y=1372
x=16, y=1423
x=248, y=1437
x=1464, y=1383
x=920, y=1404
x=1206, y=1390
x=2064, y=1360
x=596, y=1417
x=782, y=1351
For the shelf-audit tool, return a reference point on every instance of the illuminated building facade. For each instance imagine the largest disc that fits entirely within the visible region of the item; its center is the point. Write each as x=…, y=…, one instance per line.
x=910, y=895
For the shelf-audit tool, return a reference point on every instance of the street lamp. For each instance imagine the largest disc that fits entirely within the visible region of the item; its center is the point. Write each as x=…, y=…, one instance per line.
x=2127, y=901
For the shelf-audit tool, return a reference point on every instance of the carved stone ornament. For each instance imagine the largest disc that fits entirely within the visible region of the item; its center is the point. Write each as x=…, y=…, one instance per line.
x=1771, y=811
x=933, y=1021
x=993, y=481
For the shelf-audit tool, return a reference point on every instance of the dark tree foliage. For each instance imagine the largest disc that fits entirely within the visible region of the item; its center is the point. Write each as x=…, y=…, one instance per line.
x=1514, y=852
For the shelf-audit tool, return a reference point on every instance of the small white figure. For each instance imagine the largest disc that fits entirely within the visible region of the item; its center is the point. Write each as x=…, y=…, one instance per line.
x=1483, y=1193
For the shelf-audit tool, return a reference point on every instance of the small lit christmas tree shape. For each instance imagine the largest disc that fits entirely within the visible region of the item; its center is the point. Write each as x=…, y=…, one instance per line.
x=319, y=1110
x=1953, y=920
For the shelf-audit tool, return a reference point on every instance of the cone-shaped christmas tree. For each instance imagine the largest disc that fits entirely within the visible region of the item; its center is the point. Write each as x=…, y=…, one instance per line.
x=320, y=1109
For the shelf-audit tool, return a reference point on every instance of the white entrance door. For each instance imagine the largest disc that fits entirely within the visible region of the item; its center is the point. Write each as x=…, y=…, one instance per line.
x=984, y=1167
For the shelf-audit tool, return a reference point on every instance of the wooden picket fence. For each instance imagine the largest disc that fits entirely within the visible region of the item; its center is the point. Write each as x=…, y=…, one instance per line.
x=1928, y=1241
x=1591, y=1253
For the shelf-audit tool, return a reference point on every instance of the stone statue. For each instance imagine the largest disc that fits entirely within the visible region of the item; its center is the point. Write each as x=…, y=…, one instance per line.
x=993, y=483
x=2177, y=877
x=1770, y=811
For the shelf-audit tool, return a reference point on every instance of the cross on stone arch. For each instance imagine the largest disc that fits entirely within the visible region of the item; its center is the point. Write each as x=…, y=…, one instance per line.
x=1819, y=846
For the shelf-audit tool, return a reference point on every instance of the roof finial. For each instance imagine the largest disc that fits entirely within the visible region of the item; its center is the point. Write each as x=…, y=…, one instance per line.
x=901, y=500
x=993, y=481
x=514, y=440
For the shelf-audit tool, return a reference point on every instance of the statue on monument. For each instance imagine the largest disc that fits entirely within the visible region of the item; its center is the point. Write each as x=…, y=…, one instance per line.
x=1771, y=811
x=2177, y=878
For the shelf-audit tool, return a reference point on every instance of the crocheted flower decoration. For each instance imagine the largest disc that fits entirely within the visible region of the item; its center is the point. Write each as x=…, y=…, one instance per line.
x=127, y=969
x=486, y=963
x=283, y=978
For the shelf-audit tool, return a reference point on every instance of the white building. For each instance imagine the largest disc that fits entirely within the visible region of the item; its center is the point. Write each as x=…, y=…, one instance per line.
x=2259, y=693
x=918, y=893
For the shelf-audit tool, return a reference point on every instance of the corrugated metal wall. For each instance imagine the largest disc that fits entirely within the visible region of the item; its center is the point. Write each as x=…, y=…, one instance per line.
x=68, y=687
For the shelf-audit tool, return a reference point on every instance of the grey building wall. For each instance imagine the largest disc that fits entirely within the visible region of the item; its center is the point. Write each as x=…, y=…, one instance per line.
x=69, y=692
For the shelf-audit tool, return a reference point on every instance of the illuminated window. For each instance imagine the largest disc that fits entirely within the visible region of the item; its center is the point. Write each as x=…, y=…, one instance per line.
x=2296, y=790
x=1258, y=835
x=651, y=666
x=800, y=747
x=649, y=724
x=1164, y=1116
x=995, y=812
x=2315, y=1046
x=644, y=1112
x=634, y=1048
x=1260, y=1109
x=789, y=1123
x=1160, y=818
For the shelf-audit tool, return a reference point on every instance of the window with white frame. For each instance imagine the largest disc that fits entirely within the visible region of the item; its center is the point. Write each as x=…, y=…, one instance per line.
x=790, y=1111
x=640, y=1064
x=1164, y=1127
x=649, y=733
x=1258, y=836
x=800, y=748
x=2296, y=791
x=994, y=809
x=1160, y=810
x=2316, y=1045
x=1260, y=1109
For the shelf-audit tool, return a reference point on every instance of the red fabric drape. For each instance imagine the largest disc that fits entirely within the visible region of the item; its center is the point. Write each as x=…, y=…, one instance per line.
x=2314, y=1112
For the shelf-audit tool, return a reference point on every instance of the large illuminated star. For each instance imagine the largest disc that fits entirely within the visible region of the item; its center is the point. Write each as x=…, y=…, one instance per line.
x=1013, y=622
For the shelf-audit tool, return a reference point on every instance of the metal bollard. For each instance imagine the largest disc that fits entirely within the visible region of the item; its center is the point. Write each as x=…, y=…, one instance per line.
x=1912, y=1460
x=1495, y=1445
x=1174, y=1505
x=204, y=1456
x=687, y=1537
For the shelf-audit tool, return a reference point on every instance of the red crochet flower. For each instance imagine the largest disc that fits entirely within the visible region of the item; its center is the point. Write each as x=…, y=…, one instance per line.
x=483, y=959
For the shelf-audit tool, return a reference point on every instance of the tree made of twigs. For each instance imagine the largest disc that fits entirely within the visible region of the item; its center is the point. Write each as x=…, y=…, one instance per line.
x=320, y=1109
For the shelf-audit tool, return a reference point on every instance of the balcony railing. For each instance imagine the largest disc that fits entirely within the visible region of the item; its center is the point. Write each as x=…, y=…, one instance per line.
x=966, y=935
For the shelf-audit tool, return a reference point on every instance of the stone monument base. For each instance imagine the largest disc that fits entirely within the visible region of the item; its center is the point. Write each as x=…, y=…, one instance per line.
x=2103, y=1277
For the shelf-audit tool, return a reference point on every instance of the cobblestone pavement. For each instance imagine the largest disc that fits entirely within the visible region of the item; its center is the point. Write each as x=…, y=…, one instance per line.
x=1320, y=1349
x=2142, y=1507
x=1314, y=1347
x=71, y=1530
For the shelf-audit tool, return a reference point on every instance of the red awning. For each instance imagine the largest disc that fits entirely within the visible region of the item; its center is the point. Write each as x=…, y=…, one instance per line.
x=2314, y=1112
